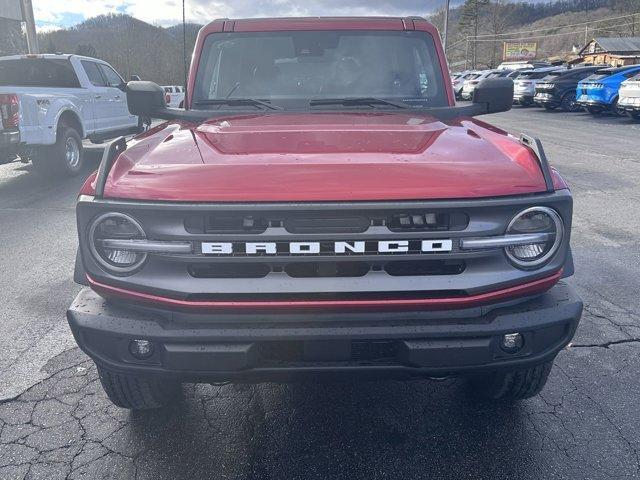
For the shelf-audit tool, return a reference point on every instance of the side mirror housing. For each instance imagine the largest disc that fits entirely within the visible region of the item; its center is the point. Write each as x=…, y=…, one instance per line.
x=145, y=99
x=494, y=95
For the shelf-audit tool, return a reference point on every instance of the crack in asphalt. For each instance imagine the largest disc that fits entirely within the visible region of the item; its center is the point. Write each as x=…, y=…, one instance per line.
x=64, y=427
x=605, y=344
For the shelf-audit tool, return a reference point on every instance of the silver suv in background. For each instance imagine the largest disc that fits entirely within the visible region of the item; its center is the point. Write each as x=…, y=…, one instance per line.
x=524, y=88
x=629, y=97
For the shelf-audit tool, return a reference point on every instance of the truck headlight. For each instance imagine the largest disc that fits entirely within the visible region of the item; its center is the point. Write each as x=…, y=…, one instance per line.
x=115, y=226
x=535, y=220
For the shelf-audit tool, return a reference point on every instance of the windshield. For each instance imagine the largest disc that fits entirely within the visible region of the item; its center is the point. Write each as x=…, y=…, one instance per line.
x=290, y=69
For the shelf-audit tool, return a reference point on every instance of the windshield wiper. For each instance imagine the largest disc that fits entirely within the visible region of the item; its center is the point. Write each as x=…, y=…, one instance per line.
x=253, y=102
x=357, y=101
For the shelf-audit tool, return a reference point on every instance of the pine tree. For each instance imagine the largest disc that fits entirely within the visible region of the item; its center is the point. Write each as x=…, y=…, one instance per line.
x=469, y=21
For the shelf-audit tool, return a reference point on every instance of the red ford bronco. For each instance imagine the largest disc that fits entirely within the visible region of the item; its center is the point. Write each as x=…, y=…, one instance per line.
x=321, y=208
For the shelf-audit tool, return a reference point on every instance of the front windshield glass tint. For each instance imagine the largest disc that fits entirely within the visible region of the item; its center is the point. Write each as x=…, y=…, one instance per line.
x=294, y=68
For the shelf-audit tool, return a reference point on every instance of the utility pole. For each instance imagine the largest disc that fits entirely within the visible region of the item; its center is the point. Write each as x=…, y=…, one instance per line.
x=586, y=34
x=466, y=56
x=184, y=44
x=446, y=26
x=27, y=14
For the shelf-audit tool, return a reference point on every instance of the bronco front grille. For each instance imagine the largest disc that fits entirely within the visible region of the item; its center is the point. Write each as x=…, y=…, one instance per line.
x=350, y=251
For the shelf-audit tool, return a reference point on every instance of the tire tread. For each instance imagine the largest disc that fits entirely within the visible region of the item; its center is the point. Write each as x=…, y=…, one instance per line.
x=137, y=393
x=515, y=385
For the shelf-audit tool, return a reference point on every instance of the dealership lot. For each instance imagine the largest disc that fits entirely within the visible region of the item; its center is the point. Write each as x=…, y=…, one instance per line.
x=55, y=422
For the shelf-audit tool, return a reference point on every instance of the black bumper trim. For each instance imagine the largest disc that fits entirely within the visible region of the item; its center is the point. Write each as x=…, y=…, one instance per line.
x=207, y=351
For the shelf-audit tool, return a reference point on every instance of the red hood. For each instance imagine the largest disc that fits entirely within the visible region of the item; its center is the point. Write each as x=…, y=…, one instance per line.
x=323, y=157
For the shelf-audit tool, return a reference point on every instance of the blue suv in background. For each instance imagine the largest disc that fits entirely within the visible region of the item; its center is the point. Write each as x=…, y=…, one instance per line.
x=599, y=92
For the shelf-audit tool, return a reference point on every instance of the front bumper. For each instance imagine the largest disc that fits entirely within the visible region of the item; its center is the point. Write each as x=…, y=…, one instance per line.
x=586, y=101
x=629, y=104
x=255, y=347
x=548, y=99
x=522, y=98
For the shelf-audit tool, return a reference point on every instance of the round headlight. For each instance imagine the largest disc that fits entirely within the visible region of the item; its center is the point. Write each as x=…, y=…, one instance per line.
x=115, y=226
x=531, y=221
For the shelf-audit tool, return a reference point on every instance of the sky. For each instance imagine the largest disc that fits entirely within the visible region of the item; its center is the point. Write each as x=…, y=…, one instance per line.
x=54, y=14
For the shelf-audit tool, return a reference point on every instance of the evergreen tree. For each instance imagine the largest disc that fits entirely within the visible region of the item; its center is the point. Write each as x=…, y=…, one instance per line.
x=468, y=23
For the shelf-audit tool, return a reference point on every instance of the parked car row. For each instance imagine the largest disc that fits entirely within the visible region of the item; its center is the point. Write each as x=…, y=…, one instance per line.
x=594, y=88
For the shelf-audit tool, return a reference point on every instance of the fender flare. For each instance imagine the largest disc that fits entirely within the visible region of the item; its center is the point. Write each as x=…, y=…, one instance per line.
x=68, y=106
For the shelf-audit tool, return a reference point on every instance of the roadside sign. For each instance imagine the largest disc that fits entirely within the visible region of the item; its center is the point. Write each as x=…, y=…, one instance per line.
x=520, y=51
x=11, y=9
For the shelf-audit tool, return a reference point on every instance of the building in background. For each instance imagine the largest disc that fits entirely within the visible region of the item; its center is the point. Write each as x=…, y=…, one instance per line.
x=615, y=51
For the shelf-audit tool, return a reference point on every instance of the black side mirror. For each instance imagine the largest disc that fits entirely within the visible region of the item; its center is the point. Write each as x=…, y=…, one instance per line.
x=494, y=95
x=146, y=99
x=135, y=78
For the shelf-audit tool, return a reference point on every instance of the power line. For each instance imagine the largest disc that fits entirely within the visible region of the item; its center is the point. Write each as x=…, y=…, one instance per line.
x=554, y=28
x=475, y=38
x=609, y=27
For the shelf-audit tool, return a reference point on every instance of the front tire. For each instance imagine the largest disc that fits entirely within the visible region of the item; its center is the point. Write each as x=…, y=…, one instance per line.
x=65, y=157
x=511, y=385
x=594, y=110
x=635, y=115
x=136, y=392
x=569, y=103
x=549, y=108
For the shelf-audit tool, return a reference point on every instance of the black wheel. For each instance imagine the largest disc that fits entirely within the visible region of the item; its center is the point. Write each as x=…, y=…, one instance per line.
x=594, y=110
x=569, y=103
x=138, y=393
x=526, y=103
x=616, y=110
x=514, y=385
x=634, y=115
x=549, y=107
x=65, y=157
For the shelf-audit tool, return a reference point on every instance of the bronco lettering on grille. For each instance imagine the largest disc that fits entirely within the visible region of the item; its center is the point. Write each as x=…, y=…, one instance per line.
x=328, y=248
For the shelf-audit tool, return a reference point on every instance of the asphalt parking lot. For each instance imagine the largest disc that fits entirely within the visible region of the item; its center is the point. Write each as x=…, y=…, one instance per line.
x=56, y=423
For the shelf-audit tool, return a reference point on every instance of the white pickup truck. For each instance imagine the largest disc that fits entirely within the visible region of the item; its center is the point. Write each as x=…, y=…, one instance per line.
x=50, y=103
x=173, y=95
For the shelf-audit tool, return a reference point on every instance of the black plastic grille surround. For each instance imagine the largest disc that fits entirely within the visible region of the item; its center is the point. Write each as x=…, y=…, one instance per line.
x=328, y=275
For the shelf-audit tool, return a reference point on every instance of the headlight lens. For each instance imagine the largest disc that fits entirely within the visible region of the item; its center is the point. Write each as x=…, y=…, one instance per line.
x=121, y=227
x=535, y=220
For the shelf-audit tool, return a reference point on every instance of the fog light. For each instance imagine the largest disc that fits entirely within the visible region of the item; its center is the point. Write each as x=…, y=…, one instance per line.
x=511, y=342
x=141, y=349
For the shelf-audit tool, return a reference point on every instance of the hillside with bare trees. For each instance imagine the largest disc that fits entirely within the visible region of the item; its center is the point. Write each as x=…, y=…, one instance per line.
x=477, y=29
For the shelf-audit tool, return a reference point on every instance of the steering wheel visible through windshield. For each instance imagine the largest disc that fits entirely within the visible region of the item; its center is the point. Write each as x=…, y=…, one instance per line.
x=303, y=69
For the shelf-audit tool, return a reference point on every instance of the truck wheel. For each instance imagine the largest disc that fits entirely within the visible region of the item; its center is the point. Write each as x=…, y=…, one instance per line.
x=549, y=107
x=514, y=385
x=138, y=393
x=569, y=103
x=635, y=115
x=66, y=156
x=594, y=110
